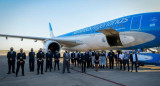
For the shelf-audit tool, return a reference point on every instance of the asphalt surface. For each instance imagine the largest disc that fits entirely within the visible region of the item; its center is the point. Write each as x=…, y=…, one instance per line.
x=147, y=76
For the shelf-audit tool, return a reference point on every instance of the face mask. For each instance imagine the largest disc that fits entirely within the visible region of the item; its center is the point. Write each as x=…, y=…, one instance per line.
x=11, y=49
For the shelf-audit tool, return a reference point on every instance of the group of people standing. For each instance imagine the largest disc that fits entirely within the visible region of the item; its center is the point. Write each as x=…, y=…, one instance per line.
x=89, y=59
x=21, y=57
x=12, y=59
x=96, y=59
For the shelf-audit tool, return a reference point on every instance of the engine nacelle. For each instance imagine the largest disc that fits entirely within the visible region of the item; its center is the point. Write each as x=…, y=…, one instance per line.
x=52, y=45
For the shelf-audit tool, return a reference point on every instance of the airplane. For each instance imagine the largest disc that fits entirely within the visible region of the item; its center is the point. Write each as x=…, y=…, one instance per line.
x=146, y=58
x=125, y=33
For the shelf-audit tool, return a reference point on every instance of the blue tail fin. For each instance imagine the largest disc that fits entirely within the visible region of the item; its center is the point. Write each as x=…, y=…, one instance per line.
x=50, y=29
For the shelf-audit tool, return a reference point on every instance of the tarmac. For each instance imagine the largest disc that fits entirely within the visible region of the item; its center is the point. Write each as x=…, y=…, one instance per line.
x=148, y=75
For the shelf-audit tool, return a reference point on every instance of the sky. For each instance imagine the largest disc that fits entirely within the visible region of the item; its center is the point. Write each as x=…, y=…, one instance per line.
x=32, y=17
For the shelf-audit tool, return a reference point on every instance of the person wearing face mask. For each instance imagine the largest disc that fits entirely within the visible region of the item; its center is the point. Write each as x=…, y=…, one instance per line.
x=111, y=59
x=66, y=61
x=106, y=55
x=96, y=60
x=87, y=59
x=40, y=58
x=117, y=60
x=126, y=60
x=56, y=60
x=11, y=55
x=134, y=61
x=79, y=59
x=93, y=58
x=84, y=59
x=72, y=59
x=103, y=59
x=49, y=56
x=20, y=61
x=31, y=60
x=90, y=58
x=121, y=56
x=76, y=58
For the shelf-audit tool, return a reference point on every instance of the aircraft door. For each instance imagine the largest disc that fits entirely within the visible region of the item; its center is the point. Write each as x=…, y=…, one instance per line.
x=136, y=23
x=112, y=37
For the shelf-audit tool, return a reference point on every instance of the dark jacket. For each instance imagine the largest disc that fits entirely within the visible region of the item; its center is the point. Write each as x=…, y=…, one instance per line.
x=57, y=56
x=116, y=56
x=136, y=58
x=83, y=57
x=11, y=55
x=72, y=56
x=49, y=56
x=103, y=54
x=131, y=57
x=21, y=57
x=87, y=55
x=93, y=53
x=97, y=57
x=111, y=55
x=79, y=55
x=40, y=55
x=31, y=55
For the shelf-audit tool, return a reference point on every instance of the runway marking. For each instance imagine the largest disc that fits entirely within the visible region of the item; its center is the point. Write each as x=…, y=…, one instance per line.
x=101, y=78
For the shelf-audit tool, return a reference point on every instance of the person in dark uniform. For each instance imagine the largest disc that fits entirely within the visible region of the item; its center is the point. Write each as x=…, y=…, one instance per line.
x=66, y=61
x=79, y=59
x=111, y=59
x=72, y=58
x=83, y=60
x=11, y=55
x=134, y=61
x=131, y=60
x=117, y=60
x=40, y=58
x=90, y=58
x=87, y=59
x=56, y=60
x=96, y=61
x=31, y=60
x=54, y=54
x=76, y=58
x=49, y=56
x=20, y=61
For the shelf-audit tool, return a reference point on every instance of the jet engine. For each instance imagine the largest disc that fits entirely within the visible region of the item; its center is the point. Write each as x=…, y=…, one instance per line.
x=52, y=45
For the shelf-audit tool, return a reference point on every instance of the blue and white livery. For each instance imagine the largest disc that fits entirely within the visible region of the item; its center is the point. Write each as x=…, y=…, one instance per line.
x=145, y=58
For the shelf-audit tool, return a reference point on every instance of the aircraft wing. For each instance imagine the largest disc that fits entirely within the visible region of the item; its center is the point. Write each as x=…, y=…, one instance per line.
x=63, y=42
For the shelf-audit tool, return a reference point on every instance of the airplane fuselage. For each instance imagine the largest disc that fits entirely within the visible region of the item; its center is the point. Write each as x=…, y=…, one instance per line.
x=130, y=32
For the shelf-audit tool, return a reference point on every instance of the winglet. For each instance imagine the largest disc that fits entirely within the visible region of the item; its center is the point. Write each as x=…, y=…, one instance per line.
x=50, y=29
